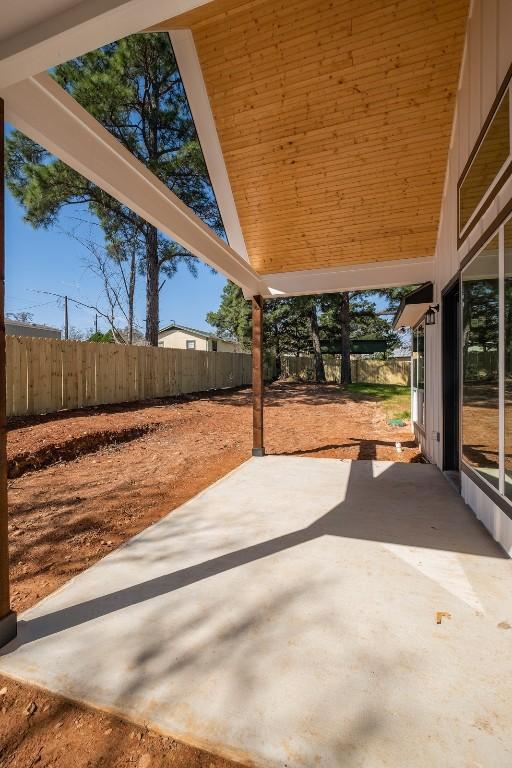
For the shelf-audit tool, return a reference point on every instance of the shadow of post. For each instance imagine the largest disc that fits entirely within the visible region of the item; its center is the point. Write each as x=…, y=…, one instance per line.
x=375, y=508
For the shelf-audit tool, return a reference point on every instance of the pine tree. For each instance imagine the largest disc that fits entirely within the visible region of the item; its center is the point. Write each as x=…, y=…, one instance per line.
x=133, y=88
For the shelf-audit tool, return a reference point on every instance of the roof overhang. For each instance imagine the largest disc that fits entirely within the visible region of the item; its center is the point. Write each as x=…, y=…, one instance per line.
x=413, y=306
x=333, y=121
x=37, y=36
x=355, y=277
x=46, y=113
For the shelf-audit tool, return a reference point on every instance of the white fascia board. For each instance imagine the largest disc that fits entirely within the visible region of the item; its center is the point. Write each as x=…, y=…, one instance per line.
x=357, y=277
x=46, y=113
x=45, y=42
x=184, y=48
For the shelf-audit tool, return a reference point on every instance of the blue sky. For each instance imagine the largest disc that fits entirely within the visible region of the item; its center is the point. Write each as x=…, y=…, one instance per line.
x=50, y=260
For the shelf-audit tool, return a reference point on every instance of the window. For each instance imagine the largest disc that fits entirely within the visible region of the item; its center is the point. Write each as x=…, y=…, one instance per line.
x=508, y=358
x=418, y=375
x=480, y=362
x=489, y=161
x=190, y=344
x=214, y=345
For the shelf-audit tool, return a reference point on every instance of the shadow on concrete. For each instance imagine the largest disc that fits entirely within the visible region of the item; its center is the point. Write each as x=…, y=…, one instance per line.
x=367, y=448
x=380, y=509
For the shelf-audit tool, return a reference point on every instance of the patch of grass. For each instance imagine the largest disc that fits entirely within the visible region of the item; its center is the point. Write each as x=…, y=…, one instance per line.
x=395, y=398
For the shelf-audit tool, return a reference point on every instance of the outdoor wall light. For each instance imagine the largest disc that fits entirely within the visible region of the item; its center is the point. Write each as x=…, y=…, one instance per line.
x=430, y=315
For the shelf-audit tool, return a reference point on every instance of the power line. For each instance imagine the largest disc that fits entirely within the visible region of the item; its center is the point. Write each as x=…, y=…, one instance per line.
x=35, y=306
x=66, y=299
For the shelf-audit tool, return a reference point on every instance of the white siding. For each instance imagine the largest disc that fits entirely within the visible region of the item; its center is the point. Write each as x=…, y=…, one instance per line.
x=227, y=346
x=178, y=340
x=487, y=57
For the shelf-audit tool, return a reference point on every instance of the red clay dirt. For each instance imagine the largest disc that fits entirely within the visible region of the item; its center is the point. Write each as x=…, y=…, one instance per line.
x=134, y=464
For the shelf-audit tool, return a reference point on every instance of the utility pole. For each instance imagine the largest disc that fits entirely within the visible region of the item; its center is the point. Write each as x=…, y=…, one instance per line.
x=66, y=319
x=66, y=300
x=96, y=323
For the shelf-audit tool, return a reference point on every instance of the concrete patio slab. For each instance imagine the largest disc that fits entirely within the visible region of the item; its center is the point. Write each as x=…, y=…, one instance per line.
x=287, y=617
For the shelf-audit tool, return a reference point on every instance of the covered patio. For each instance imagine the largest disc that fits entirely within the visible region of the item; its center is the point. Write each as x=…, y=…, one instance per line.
x=298, y=612
x=301, y=611
x=328, y=168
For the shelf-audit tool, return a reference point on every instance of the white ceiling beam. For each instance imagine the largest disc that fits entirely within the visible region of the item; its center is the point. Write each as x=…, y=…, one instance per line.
x=49, y=33
x=50, y=116
x=184, y=48
x=356, y=277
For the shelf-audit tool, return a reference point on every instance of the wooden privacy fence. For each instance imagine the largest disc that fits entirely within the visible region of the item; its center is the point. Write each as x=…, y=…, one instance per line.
x=47, y=375
x=364, y=370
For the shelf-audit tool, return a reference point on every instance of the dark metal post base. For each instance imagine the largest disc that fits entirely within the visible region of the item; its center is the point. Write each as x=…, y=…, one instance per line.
x=258, y=451
x=8, y=628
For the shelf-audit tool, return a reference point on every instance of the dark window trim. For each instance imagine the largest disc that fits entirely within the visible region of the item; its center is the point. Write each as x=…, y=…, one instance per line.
x=501, y=501
x=487, y=235
x=495, y=496
x=497, y=184
x=451, y=374
x=449, y=285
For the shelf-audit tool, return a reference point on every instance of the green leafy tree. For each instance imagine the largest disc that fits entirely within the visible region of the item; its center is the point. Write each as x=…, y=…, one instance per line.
x=306, y=324
x=285, y=323
x=133, y=88
x=102, y=338
x=364, y=320
x=233, y=319
x=304, y=309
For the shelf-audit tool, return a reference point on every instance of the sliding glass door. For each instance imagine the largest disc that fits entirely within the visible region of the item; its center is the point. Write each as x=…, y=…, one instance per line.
x=507, y=320
x=487, y=361
x=480, y=356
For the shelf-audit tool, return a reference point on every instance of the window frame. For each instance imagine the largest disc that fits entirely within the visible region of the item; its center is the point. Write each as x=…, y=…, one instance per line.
x=497, y=494
x=190, y=344
x=504, y=172
x=414, y=378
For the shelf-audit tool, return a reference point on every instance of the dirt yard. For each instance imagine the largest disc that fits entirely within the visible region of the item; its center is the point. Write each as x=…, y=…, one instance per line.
x=83, y=482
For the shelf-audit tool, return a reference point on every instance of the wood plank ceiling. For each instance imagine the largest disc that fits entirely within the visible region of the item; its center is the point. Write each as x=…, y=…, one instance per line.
x=334, y=118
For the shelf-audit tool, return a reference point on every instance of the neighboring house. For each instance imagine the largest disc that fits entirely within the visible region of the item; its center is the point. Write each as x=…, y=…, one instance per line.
x=181, y=337
x=17, y=328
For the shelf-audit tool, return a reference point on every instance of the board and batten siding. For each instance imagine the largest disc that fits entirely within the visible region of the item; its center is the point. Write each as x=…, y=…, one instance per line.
x=486, y=60
x=47, y=375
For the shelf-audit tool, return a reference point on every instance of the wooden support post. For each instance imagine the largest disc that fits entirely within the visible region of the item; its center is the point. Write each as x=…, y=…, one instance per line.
x=7, y=617
x=258, y=448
